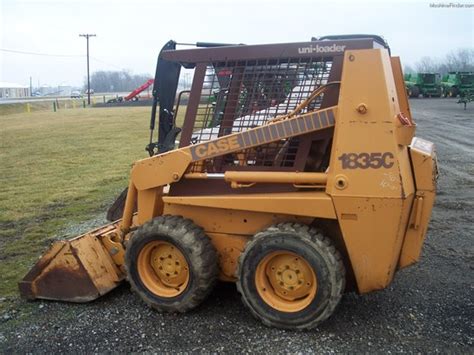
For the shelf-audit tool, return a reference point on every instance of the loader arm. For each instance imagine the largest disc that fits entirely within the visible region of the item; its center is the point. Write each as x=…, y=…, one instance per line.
x=149, y=176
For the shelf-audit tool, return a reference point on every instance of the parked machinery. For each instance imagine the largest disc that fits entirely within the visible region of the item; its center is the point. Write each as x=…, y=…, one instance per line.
x=458, y=84
x=425, y=84
x=133, y=96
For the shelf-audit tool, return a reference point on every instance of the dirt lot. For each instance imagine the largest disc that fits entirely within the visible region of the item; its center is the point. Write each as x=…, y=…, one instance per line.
x=428, y=308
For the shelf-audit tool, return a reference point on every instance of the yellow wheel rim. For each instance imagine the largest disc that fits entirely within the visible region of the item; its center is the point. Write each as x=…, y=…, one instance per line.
x=286, y=281
x=163, y=269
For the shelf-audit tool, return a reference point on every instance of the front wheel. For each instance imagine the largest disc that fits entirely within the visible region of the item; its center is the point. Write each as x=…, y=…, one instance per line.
x=291, y=276
x=171, y=264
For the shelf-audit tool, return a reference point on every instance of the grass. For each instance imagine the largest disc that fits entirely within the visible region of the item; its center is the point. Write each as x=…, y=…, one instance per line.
x=59, y=169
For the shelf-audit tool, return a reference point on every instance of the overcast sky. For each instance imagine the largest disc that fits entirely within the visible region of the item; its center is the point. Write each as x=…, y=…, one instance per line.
x=131, y=33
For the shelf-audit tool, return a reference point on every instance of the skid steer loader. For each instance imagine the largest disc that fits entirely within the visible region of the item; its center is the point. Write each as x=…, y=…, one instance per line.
x=297, y=175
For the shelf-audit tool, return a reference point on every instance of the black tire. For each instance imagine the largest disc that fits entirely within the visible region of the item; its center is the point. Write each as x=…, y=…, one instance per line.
x=414, y=91
x=453, y=92
x=445, y=91
x=196, y=248
x=317, y=250
x=115, y=211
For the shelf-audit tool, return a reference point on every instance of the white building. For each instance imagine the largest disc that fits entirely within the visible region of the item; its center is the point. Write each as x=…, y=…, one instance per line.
x=12, y=90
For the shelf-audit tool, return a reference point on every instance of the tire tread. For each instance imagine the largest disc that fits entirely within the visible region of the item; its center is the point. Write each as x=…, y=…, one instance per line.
x=335, y=263
x=199, y=249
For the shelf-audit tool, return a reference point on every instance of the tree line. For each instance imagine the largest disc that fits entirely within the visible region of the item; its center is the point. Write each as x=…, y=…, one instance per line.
x=123, y=81
x=457, y=60
x=116, y=81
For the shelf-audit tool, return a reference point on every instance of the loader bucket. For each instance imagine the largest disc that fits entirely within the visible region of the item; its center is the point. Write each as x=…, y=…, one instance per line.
x=77, y=270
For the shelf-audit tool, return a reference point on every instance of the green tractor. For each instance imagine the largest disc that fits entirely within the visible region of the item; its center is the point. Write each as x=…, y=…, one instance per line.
x=458, y=84
x=425, y=84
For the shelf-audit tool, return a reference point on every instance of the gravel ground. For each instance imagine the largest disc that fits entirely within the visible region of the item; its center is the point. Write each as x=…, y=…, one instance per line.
x=428, y=308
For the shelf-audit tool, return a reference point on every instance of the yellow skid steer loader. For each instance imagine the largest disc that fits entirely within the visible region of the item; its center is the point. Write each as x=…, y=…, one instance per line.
x=295, y=174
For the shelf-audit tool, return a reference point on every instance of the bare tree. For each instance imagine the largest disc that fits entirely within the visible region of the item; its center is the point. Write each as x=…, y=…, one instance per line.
x=117, y=81
x=457, y=60
x=426, y=65
x=408, y=69
x=460, y=60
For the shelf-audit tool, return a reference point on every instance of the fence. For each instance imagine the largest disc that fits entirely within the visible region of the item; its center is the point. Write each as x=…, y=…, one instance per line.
x=50, y=105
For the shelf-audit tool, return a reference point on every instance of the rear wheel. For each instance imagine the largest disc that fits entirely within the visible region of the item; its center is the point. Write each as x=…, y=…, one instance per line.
x=291, y=276
x=171, y=264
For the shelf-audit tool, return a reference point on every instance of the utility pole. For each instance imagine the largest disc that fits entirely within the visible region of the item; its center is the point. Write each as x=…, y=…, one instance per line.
x=87, y=35
x=31, y=87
